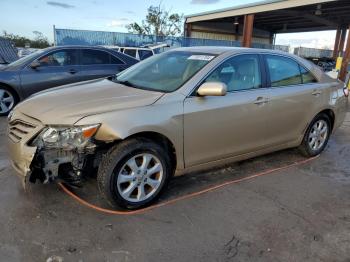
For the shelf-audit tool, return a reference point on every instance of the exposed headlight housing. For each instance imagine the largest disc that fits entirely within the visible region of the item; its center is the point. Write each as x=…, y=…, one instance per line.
x=66, y=137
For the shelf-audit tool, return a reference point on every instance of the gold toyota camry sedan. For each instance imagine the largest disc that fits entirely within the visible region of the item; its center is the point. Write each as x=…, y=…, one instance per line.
x=182, y=110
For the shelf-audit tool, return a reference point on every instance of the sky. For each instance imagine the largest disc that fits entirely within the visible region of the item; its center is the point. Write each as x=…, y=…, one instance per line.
x=22, y=17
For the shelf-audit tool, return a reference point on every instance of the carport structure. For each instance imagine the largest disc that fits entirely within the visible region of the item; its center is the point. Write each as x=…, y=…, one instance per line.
x=260, y=22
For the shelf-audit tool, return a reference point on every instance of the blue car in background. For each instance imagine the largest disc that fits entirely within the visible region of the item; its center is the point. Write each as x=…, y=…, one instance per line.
x=56, y=66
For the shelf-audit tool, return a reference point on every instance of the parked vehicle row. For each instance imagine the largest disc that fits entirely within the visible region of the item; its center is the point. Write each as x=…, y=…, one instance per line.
x=56, y=66
x=182, y=110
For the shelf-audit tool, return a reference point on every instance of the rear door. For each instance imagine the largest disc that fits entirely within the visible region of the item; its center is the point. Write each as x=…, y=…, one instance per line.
x=294, y=96
x=220, y=127
x=99, y=63
x=56, y=68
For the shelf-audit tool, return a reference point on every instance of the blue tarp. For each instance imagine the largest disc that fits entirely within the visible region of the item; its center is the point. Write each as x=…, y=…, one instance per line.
x=8, y=53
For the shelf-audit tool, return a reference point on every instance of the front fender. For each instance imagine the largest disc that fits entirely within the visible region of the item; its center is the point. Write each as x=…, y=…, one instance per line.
x=12, y=79
x=164, y=118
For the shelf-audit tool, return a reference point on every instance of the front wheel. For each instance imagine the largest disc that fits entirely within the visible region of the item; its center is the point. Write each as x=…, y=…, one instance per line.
x=316, y=136
x=134, y=173
x=7, y=100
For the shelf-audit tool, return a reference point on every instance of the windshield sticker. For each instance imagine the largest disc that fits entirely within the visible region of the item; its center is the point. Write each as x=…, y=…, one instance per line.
x=201, y=57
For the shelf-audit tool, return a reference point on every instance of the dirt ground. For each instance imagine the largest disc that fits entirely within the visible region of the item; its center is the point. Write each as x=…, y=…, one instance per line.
x=297, y=214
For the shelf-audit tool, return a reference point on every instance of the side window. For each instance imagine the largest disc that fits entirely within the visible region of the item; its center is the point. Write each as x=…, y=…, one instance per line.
x=238, y=73
x=59, y=58
x=94, y=57
x=307, y=76
x=130, y=52
x=283, y=71
x=143, y=54
x=116, y=61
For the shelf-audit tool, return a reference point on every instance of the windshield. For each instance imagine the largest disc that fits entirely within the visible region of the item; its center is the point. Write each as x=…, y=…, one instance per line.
x=25, y=59
x=165, y=72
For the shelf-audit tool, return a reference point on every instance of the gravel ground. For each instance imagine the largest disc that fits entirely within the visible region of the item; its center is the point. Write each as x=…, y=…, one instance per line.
x=297, y=214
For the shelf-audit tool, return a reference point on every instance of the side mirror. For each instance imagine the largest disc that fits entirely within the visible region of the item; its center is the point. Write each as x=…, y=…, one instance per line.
x=35, y=64
x=212, y=89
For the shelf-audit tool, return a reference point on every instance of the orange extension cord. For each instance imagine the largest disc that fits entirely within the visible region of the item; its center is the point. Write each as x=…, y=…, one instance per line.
x=191, y=195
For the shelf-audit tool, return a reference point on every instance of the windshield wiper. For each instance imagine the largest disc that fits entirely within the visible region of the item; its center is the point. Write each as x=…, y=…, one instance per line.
x=114, y=78
x=127, y=83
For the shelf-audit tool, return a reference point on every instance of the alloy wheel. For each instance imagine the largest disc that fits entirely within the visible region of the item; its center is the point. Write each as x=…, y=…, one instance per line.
x=7, y=101
x=318, y=135
x=140, y=177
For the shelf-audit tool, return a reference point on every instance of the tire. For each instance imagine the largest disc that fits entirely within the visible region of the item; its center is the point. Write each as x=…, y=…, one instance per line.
x=315, y=133
x=8, y=100
x=117, y=173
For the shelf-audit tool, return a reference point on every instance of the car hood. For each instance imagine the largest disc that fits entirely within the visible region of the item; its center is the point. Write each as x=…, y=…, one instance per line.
x=67, y=104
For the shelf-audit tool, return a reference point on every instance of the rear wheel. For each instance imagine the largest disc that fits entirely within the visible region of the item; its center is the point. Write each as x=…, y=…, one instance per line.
x=8, y=100
x=316, y=136
x=134, y=173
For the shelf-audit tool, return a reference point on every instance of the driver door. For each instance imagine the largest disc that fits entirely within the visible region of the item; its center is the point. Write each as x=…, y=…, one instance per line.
x=56, y=68
x=224, y=126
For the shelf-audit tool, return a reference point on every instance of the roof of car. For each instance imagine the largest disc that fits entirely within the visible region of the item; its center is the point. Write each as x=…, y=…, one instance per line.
x=219, y=50
x=226, y=49
x=78, y=46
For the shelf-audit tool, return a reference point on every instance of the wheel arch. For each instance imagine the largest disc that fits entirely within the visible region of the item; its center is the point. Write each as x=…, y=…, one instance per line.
x=161, y=140
x=330, y=113
x=12, y=89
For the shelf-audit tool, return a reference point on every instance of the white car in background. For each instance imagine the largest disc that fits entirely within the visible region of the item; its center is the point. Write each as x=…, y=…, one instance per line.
x=24, y=51
x=143, y=52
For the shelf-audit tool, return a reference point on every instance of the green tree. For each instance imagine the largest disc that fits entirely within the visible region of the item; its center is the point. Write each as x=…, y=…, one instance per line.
x=158, y=21
x=39, y=40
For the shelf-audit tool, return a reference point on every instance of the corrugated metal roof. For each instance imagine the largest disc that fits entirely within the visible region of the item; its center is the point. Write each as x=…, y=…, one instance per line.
x=8, y=53
x=257, y=7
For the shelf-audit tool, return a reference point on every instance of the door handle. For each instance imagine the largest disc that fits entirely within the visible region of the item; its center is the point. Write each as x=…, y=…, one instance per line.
x=261, y=100
x=316, y=92
x=72, y=71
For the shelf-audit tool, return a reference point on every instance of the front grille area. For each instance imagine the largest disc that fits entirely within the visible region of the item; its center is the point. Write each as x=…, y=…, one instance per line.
x=18, y=129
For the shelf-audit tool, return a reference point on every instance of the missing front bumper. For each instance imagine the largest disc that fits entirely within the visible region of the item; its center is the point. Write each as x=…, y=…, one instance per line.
x=70, y=166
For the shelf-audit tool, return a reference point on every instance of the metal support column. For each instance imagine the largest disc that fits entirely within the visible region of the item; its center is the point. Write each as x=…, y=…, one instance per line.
x=188, y=29
x=342, y=41
x=346, y=59
x=248, y=30
x=336, y=44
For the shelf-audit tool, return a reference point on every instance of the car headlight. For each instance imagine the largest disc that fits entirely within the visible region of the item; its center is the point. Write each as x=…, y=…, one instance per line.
x=66, y=137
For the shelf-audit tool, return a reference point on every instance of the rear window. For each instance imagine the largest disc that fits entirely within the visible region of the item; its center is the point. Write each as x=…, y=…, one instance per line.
x=307, y=76
x=116, y=60
x=283, y=71
x=130, y=52
x=143, y=54
x=94, y=57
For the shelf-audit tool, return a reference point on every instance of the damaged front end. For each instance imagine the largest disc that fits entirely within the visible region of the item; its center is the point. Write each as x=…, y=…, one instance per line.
x=65, y=153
